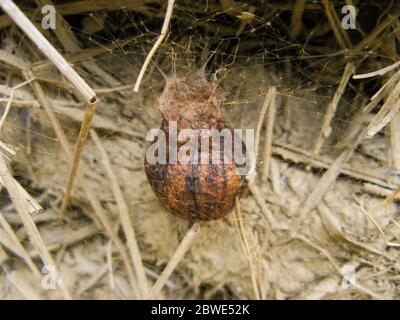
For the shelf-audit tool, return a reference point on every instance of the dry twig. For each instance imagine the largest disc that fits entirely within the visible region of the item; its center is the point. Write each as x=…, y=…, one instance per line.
x=83, y=134
x=10, y=100
x=331, y=109
x=379, y=72
x=267, y=101
x=269, y=131
x=160, y=39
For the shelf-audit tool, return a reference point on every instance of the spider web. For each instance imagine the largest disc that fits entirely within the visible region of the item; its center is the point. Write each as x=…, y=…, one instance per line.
x=306, y=67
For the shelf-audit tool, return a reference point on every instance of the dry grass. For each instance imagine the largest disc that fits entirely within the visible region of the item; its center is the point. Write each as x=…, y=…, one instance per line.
x=315, y=205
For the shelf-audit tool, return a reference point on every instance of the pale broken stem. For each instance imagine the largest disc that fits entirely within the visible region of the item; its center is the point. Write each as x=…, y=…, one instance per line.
x=7, y=148
x=276, y=179
x=379, y=72
x=6, y=226
x=48, y=50
x=246, y=247
x=10, y=100
x=389, y=111
x=153, y=50
x=331, y=109
x=386, y=114
x=7, y=109
x=23, y=210
x=382, y=92
x=269, y=131
x=94, y=201
x=124, y=217
x=34, y=206
x=267, y=101
x=377, y=190
x=83, y=134
x=175, y=259
x=389, y=85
